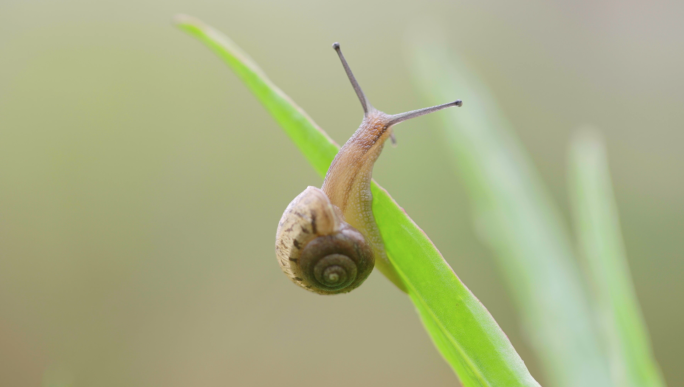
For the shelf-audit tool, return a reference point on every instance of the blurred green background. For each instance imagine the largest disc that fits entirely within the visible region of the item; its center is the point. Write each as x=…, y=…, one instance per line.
x=141, y=183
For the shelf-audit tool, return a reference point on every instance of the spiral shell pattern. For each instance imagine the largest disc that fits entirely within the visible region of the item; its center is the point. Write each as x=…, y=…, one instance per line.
x=317, y=250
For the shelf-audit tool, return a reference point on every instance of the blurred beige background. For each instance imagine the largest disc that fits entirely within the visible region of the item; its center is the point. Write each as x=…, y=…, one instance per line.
x=141, y=184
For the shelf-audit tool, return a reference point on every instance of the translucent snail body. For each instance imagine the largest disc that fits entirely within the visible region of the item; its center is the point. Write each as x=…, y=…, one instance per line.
x=327, y=240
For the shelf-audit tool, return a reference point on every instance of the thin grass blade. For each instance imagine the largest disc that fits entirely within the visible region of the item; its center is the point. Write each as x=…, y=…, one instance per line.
x=516, y=218
x=598, y=229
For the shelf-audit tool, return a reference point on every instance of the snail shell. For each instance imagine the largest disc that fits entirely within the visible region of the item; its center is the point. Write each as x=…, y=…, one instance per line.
x=317, y=249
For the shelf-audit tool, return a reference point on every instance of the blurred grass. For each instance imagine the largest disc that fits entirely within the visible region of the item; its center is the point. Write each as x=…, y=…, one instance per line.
x=598, y=229
x=516, y=218
x=461, y=327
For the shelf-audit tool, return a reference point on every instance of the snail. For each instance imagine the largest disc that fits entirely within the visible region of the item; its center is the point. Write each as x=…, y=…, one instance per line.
x=327, y=240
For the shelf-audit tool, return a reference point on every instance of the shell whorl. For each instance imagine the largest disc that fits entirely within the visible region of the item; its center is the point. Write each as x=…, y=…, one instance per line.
x=317, y=250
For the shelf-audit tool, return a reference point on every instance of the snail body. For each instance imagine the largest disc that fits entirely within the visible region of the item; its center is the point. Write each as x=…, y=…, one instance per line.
x=327, y=240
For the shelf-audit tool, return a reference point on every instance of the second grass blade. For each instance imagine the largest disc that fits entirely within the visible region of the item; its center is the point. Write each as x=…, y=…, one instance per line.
x=516, y=218
x=598, y=229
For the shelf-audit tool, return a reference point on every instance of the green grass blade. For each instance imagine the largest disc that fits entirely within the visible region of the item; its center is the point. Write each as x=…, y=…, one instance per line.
x=318, y=148
x=598, y=229
x=516, y=217
x=462, y=329
x=460, y=326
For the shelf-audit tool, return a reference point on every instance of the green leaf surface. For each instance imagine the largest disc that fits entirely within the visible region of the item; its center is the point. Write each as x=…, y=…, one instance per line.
x=598, y=229
x=460, y=326
x=516, y=217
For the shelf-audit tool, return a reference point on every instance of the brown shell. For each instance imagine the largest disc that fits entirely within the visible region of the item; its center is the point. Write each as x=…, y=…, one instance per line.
x=317, y=250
